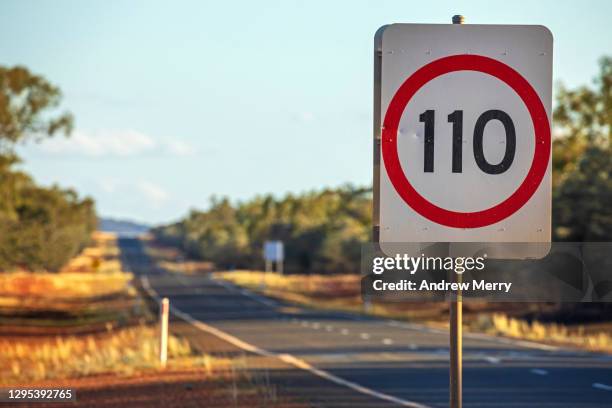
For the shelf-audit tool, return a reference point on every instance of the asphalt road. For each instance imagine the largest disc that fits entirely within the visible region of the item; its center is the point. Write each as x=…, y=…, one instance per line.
x=342, y=360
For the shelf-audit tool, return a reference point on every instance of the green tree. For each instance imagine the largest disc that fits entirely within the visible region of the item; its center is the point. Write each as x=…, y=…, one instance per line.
x=582, y=160
x=322, y=231
x=26, y=102
x=40, y=228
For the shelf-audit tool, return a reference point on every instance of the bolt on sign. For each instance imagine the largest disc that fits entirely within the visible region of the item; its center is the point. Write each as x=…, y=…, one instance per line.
x=462, y=136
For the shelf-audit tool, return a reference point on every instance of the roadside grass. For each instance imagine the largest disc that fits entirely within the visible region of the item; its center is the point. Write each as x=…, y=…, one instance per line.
x=549, y=332
x=123, y=352
x=92, y=289
x=316, y=286
x=133, y=355
x=342, y=292
x=63, y=285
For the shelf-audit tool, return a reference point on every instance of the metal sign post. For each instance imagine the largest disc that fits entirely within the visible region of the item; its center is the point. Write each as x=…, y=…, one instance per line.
x=456, y=349
x=456, y=328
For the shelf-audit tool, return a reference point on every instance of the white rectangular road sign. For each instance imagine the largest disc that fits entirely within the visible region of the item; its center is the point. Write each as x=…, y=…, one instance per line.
x=273, y=251
x=462, y=133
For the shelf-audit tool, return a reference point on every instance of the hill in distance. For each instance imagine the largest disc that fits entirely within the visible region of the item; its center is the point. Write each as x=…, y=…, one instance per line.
x=123, y=228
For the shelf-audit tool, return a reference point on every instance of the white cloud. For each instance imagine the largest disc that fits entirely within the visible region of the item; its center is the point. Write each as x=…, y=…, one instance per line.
x=117, y=143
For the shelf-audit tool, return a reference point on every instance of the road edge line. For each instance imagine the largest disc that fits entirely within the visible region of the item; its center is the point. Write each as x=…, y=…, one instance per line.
x=286, y=358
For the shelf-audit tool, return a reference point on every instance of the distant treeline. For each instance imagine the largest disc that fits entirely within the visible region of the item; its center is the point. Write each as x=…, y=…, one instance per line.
x=322, y=231
x=40, y=228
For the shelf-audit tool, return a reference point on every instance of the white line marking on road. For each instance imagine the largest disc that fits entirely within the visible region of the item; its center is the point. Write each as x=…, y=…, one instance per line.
x=539, y=371
x=329, y=328
x=305, y=324
x=387, y=342
x=492, y=360
x=413, y=346
x=364, y=336
x=419, y=327
x=601, y=386
x=287, y=358
x=316, y=326
x=344, y=331
x=480, y=336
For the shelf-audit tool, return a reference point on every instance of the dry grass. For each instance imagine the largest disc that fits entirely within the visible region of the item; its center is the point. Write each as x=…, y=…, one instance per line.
x=123, y=351
x=550, y=332
x=91, y=289
x=316, y=286
x=96, y=272
x=64, y=285
x=101, y=256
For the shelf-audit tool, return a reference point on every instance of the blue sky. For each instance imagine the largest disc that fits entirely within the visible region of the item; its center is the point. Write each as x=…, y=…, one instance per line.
x=177, y=101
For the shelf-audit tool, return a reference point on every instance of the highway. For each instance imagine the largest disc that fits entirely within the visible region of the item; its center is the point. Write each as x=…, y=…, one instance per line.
x=333, y=359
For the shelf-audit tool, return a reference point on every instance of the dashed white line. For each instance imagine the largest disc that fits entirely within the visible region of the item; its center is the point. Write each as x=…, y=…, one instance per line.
x=538, y=371
x=364, y=336
x=344, y=331
x=287, y=358
x=492, y=360
x=387, y=342
x=480, y=336
x=316, y=326
x=601, y=386
x=329, y=328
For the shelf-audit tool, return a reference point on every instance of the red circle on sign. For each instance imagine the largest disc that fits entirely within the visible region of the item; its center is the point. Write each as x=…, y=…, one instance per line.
x=541, y=154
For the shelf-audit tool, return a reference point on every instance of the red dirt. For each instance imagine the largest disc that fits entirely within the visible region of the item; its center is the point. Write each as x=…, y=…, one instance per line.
x=168, y=389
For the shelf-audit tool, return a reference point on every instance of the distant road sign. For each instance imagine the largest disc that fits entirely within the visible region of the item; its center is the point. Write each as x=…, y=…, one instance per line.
x=462, y=125
x=273, y=251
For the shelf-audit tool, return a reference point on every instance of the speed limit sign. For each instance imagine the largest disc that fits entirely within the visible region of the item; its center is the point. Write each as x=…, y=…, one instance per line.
x=462, y=133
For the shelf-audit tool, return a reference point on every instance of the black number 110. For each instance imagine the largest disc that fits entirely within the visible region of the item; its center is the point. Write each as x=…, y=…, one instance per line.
x=456, y=118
